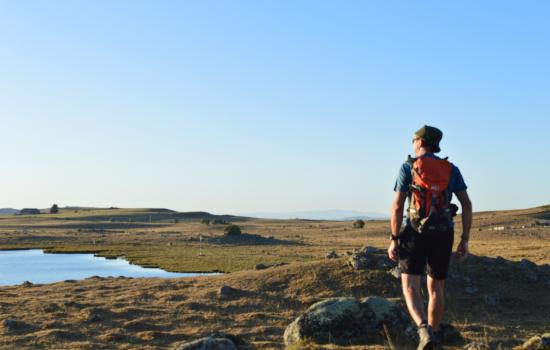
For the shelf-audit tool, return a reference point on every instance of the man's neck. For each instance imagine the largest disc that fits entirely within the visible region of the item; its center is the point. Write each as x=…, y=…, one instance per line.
x=421, y=152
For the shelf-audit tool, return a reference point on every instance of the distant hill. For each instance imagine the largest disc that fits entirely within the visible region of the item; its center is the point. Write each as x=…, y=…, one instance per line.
x=8, y=211
x=339, y=215
x=371, y=216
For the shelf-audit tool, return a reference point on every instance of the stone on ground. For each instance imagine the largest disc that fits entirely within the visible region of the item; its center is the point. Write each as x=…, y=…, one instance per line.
x=536, y=343
x=347, y=321
x=209, y=343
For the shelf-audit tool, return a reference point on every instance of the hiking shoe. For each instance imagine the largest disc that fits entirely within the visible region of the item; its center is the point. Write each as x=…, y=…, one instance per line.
x=427, y=338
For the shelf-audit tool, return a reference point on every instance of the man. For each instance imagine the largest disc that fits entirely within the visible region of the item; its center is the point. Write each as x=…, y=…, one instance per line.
x=427, y=238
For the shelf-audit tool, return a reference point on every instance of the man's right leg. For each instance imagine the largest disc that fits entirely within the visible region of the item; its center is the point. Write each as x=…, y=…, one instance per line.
x=412, y=261
x=413, y=298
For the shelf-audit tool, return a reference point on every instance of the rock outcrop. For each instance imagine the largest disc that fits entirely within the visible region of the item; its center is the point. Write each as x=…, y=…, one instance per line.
x=368, y=258
x=209, y=343
x=347, y=321
x=228, y=292
x=536, y=343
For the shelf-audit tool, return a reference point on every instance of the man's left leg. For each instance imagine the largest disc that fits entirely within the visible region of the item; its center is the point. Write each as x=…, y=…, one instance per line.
x=436, y=304
x=439, y=256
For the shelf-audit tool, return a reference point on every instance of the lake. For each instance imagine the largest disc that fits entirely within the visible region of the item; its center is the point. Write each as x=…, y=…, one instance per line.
x=17, y=266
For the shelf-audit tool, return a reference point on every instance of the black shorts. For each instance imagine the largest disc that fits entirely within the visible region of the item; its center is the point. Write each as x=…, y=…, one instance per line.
x=417, y=249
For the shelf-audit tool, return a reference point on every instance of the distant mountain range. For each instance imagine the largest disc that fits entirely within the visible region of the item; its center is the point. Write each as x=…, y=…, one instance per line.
x=8, y=211
x=340, y=215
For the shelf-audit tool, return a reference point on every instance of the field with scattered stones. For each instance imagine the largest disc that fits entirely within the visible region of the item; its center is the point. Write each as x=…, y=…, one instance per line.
x=273, y=272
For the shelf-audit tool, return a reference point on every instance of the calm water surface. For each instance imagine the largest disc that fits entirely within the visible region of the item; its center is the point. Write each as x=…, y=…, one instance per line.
x=17, y=266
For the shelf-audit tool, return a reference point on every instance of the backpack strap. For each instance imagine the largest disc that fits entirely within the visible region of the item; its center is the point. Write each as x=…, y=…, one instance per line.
x=410, y=161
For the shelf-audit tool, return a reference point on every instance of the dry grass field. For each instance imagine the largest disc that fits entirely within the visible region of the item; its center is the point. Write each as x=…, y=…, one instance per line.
x=123, y=313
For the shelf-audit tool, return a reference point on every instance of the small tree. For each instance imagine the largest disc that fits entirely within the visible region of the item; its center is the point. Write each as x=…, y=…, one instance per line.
x=358, y=224
x=54, y=209
x=205, y=221
x=232, y=230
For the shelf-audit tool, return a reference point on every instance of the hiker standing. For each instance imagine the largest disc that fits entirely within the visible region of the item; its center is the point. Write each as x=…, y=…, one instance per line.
x=426, y=241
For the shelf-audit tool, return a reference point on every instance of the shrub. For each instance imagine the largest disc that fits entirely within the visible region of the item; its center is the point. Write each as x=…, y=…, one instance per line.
x=358, y=224
x=205, y=221
x=232, y=230
x=54, y=209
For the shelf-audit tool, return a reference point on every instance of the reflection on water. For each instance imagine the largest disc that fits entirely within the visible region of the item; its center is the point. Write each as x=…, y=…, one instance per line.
x=17, y=266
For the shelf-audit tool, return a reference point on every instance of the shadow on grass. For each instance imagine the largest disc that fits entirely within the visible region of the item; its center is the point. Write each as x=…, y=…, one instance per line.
x=250, y=239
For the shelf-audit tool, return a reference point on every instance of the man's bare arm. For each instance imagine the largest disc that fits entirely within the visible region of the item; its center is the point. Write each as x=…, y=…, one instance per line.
x=397, y=212
x=396, y=220
x=466, y=205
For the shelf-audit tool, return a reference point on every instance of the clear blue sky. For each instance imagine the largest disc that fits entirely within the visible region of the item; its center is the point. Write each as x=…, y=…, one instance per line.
x=241, y=106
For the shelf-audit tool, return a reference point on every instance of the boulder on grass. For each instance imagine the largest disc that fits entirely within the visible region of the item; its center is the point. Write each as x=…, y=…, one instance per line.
x=536, y=343
x=347, y=321
x=215, y=342
x=226, y=291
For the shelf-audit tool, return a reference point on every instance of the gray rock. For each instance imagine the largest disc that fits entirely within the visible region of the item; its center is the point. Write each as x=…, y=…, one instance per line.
x=447, y=333
x=387, y=313
x=331, y=255
x=469, y=286
x=369, y=257
x=501, y=261
x=346, y=321
x=358, y=261
x=362, y=259
x=395, y=272
x=209, y=343
x=10, y=325
x=94, y=318
x=530, y=275
x=492, y=299
x=261, y=266
x=529, y=270
x=527, y=264
x=226, y=291
x=384, y=263
x=411, y=332
x=534, y=343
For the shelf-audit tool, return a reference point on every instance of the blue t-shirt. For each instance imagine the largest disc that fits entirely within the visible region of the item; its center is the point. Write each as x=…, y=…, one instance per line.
x=404, y=179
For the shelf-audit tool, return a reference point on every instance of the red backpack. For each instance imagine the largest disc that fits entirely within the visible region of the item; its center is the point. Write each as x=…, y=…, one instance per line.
x=430, y=209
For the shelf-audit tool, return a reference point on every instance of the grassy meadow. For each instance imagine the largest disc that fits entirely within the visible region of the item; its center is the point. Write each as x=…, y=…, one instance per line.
x=124, y=313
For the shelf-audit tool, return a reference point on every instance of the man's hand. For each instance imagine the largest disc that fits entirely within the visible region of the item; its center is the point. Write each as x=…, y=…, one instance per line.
x=462, y=251
x=393, y=251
